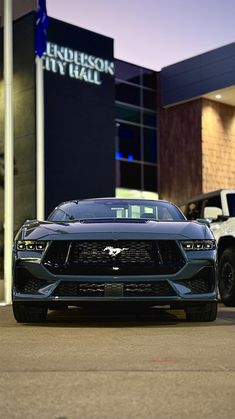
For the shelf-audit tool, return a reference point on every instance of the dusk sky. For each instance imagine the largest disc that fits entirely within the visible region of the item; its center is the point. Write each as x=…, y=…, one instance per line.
x=153, y=33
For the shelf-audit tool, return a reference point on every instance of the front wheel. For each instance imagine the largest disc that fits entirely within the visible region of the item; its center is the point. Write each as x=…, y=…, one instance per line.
x=25, y=313
x=227, y=277
x=205, y=313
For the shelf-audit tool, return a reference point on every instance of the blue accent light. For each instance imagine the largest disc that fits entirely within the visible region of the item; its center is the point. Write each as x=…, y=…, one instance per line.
x=130, y=157
x=118, y=155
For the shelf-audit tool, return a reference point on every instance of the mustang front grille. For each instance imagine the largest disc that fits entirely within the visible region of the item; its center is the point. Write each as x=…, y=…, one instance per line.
x=119, y=257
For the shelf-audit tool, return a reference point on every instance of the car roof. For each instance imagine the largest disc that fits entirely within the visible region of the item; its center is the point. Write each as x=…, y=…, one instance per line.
x=204, y=196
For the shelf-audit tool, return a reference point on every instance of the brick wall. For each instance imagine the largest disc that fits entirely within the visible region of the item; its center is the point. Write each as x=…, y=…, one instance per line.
x=218, y=145
x=180, y=153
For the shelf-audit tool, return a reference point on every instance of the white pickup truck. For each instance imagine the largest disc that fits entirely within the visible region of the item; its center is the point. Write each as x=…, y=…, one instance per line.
x=218, y=208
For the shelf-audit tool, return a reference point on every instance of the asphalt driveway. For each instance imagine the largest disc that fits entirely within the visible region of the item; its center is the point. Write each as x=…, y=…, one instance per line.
x=89, y=365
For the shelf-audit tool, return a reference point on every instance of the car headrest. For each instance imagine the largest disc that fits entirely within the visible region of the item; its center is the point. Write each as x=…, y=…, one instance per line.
x=147, y=215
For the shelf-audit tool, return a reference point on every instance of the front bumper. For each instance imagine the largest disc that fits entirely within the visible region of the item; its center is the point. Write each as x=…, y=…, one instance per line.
x=196, y=282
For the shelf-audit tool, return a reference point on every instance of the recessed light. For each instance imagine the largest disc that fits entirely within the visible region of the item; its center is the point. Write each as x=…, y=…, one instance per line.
x=218, y=96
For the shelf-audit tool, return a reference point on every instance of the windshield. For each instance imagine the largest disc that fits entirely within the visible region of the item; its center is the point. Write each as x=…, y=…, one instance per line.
x=116, y=209
x=231, y=204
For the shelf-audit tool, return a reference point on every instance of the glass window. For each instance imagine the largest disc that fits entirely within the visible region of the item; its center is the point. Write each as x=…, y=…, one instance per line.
x=127, y=72
x=166, y=214
x=116, y=208
x=136, y=107
x=231, y=204
x=194, y=210
x=130, y=175
x=213, y=201
x=149, y=99
x=149, y=78
x=129, y=142
x=128, y=114
x=149, y=118
x=150, y=145
x=135, y=193
x=150, y=178
x=128, y=94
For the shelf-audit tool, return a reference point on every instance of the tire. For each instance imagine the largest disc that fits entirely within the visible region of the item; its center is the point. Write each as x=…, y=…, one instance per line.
x=24, y=313
x=227, y=277
x=206, y=313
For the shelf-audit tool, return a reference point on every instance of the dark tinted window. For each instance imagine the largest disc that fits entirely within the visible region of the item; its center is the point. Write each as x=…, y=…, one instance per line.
x=231, y=204
x=129, y=175
x=127, y=114
x=149, y=99
x=127, y=72
x=214, y=201
x=128, y=94
x=150, y=178
x=194, y=210
x=136, y=106
x=149, y=118
x=129, y=141
x=150, y=145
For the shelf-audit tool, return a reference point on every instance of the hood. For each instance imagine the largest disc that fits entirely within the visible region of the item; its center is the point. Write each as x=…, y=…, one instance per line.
x=113, y=230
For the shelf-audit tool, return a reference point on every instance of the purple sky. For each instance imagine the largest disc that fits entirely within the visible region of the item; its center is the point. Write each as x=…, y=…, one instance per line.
x=153, y=33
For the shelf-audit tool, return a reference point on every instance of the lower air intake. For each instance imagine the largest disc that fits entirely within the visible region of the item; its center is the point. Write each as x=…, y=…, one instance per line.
x=114, y=289
x=202, y=282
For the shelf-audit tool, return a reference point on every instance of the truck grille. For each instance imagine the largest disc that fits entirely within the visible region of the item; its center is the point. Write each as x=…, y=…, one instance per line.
x=119, y=257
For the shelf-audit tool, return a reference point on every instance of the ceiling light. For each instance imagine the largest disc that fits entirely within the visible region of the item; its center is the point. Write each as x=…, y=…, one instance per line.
x=218, y=96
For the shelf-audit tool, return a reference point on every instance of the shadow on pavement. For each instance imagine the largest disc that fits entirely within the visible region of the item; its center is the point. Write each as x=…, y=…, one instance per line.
x=107, y=318
x=82, y=318
x=157, y=317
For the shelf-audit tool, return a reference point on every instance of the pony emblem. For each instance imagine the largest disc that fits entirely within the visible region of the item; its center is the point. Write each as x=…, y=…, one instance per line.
x=114, y=251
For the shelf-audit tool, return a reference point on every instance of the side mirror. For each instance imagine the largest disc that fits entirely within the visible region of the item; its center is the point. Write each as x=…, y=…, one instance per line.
x=212, y=213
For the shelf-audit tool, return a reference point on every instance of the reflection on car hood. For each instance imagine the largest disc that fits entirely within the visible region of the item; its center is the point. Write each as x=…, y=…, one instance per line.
x=110, y=229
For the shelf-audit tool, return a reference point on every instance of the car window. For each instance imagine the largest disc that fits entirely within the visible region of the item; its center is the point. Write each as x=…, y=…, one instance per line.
x=231, y=204
x=214, y=201
x=194, y=210
x=110, y=208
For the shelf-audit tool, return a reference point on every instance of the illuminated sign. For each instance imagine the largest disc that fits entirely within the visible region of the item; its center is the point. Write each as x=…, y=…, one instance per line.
x=76, y=64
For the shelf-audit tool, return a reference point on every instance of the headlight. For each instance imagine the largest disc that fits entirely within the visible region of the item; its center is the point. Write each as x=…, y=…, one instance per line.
x=27, y=245
x=198, y=244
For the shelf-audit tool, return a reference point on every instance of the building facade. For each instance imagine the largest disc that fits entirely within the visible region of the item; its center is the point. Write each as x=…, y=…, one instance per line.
x=114, y=128
x=197, y=134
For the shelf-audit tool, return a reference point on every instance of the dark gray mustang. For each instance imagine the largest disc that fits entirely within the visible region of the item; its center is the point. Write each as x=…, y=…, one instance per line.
x=124, y=252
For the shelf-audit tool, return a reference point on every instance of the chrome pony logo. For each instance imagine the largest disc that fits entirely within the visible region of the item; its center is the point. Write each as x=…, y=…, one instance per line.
x=114, y=251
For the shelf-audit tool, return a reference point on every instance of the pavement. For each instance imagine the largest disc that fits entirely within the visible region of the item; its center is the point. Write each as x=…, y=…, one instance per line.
x=89, y=365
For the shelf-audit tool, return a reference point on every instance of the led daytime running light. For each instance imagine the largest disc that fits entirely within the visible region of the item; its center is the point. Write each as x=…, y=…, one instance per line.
x=198, y=244
x=31, y=246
